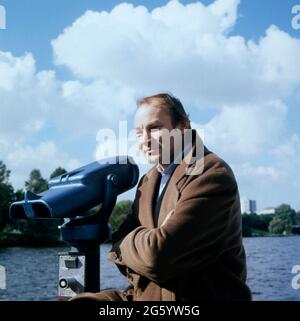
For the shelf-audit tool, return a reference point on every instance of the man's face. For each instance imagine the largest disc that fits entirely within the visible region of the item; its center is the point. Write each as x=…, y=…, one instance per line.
x=150, y=120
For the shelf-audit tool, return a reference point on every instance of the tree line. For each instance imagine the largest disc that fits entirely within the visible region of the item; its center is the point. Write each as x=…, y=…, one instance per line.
x=285, y=221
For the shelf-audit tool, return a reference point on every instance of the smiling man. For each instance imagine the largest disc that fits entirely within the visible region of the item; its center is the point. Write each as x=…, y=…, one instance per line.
x=183, y=239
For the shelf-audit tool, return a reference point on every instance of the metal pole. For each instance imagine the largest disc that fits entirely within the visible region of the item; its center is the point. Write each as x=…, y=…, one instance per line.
x=92, y=267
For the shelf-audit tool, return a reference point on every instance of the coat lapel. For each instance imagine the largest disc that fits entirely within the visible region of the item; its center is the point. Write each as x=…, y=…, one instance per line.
x=172, y=193
x=146, y=204
x=179, y=177
x=169, y=201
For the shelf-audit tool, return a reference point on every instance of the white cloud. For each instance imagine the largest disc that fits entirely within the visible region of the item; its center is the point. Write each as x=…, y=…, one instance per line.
x=246, y=131
x=35, y=106
x=45, y=156
x=29, y=101
x=33, y=100
x=182, y=48
x=276, y=182
x=288, y=150
x=95, y=105
x=287, y=157
x=259, y=173
x=24, y=95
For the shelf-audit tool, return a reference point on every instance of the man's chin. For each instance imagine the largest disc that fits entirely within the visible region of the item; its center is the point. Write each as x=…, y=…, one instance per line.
x=152, y=159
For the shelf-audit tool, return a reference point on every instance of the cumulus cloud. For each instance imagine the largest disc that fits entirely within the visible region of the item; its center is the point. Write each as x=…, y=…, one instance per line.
x=36, y=106
x=25, y=95
x=287, y=156
x=33, y=100
x=95, y=105
x=273, y=178
x=247, y=130
x=183, y=48
x=259, y=173
x=45, y=156
x=29, y=102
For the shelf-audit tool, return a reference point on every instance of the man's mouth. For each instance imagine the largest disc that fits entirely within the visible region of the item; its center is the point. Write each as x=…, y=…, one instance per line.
x=151, y=151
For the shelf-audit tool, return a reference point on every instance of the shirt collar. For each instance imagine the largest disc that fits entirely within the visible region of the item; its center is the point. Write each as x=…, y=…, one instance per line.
x=167, y=170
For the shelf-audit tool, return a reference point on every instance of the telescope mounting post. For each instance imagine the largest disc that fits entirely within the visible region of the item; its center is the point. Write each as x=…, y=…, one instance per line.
x=79, y=269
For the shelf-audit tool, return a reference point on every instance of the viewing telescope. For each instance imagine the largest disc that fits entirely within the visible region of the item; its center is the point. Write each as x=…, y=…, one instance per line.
x=70, y=196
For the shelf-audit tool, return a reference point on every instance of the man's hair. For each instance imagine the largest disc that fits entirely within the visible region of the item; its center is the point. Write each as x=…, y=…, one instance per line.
x=172, y=103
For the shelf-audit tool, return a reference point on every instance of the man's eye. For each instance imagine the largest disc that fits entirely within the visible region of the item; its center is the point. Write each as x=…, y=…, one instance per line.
x=155, y=130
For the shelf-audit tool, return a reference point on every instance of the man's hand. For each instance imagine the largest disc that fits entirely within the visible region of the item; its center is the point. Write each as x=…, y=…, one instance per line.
x=80, y=296
x=63, y=298
x=85, y=296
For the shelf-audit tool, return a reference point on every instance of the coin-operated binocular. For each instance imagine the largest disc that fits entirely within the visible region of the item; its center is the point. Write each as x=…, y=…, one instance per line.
x=70, y=196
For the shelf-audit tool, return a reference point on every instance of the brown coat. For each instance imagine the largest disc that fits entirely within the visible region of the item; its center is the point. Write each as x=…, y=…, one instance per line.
x=196, y=252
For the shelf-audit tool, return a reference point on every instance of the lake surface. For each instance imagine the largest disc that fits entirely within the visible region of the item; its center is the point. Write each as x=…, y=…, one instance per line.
x=32, y=273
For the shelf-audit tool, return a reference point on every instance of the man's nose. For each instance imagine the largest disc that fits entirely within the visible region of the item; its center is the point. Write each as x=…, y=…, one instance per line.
x=145, y=139
x=149, y=138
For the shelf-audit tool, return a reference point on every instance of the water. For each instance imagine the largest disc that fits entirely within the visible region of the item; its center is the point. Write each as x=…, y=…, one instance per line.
x=270, y=261
x=32, y=272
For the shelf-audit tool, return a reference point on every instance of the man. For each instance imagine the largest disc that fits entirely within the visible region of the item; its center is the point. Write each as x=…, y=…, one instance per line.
x=183, y=239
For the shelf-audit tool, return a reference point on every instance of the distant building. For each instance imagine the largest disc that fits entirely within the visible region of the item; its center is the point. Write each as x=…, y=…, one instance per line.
x=267, y=210
x=248, y=206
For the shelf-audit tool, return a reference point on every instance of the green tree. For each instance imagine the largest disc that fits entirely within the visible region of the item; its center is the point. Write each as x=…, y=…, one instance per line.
x=121, y=210
x=36, y=183
x=277, y=226
x=285, y=217
x=57, y=172
x=246, y=230
x=265, y=221
x=297, y=218
x=252, y=220
x=38, y=231
x=4, y=173
x=285, y=211
x=260, y=222
x=6, y=194
x=19, y=195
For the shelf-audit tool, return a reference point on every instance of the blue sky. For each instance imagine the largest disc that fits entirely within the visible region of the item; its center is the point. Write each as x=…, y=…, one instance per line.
x=59, y=88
